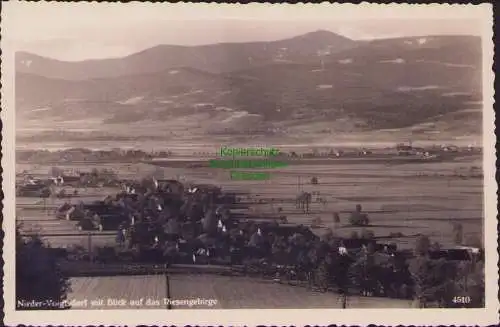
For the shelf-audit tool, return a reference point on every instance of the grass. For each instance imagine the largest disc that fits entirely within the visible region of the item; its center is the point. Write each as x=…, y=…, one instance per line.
x=230, y=293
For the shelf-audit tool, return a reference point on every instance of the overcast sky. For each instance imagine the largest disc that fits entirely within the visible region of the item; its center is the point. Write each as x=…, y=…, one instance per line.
x=78, y=31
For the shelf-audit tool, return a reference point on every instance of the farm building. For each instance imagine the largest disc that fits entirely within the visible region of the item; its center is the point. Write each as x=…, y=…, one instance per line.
x=405, y=150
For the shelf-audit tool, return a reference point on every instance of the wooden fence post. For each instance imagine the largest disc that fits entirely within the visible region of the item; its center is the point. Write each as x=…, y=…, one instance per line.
x=167, y=285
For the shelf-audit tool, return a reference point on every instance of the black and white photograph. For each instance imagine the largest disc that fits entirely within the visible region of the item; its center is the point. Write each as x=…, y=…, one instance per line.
x=169, y=159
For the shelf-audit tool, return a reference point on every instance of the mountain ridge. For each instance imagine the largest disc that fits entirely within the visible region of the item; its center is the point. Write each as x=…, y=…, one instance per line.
x=365, y=86
x=30, y=55
x=218, y=58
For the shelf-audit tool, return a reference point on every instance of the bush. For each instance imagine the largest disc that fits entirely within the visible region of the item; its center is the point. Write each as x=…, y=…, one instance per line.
x=354, y=235
x=367, y=234
x=436, y=246
x=359, y=219
x=474, y=241
x=422, y=245
x=105, y=254
x=328, y=235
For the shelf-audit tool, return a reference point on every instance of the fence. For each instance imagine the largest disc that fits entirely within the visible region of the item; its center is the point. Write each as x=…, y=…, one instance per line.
x=84, y=242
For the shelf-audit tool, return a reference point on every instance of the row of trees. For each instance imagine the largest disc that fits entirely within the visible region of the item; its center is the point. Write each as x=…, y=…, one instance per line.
x=439, y=282
x=429, y=282
x=82, y=154
x=443, y=281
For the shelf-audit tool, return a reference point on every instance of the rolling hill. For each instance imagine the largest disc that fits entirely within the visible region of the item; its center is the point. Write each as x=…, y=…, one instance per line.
x=419, y=83
x=216, y=58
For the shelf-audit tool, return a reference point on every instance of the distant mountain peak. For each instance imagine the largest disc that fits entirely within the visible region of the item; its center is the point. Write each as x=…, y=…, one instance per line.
x=322, y=34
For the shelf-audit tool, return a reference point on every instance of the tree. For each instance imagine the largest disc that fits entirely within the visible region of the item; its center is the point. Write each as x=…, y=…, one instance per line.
x=314, y=180
x=224, y=213
x=422, y=245
x=458, y=233
x=363, y=272
x=358, y=218
x=342, y=266
x=336, y=218
x=436, y=246
x=210, y=222
x=367, y=234
x=434, y=280
x=322, y=276
x=172, y=226
x=38, y=277
x=472, y=274
x=303, y=200
x=55, y=171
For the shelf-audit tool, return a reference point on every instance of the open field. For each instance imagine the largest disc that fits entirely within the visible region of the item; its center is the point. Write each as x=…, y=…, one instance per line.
x=230, y=292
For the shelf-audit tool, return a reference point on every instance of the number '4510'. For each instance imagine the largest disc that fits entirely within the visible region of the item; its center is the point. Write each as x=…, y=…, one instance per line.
x=461, y=299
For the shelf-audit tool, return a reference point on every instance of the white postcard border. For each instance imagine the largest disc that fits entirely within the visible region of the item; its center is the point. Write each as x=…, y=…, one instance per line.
x=488, y=315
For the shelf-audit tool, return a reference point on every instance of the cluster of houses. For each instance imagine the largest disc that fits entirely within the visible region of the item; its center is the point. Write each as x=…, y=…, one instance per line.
x=152, y=214
x=410, y=150
x=41, y=187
